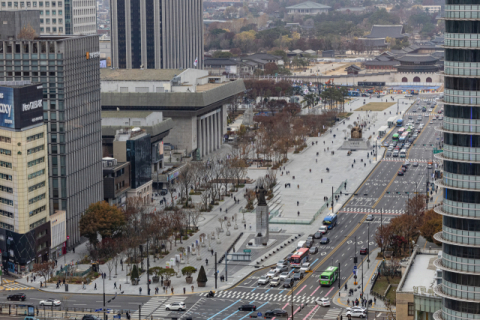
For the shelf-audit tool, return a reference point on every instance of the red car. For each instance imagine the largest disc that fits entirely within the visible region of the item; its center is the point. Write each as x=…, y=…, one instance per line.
x=364, y=251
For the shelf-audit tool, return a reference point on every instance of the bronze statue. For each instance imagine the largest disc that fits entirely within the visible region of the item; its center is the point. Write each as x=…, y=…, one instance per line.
x=261, y=196
x=356, y=133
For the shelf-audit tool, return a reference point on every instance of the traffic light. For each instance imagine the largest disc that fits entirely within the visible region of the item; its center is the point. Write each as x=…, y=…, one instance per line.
x=345, y=185
x=355, y=260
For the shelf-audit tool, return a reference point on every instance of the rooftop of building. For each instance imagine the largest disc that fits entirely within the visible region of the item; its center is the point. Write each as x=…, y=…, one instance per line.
x=111, y=164
x=383, y=31
x=420, y=273
x=416, y=58
x=138, y=74
x=19, y=84
x=309, y=5
x=126, y=114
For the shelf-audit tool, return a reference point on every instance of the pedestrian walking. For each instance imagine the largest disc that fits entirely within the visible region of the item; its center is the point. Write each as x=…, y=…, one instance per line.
x=206, y=262
x=140, y=290
x=164, y=289
x=171, y=289
x=35, y=277
x=245, y=226
x=298, y=214
x=95, y=287
x=114, y=285
x=184, y=290
x=375, y=300
x=250, y=227
x=211, y=251
x=298, y=203
x=192, y=288
x=120, y=287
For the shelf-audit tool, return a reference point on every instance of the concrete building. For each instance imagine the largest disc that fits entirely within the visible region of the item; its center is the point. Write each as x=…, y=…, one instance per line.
x=164, y=34
x=153, y=123
x=24, y=207
x=415, y=298
x=59, y=17
x=71, y=111
x=116, y=181
x=308, y=8
x=460, y=261
x=194, y=101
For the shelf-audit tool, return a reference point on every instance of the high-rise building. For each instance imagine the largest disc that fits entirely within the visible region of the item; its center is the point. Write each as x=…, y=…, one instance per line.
x=71, y=111
x=24, y=207
x=59, y=16
x=460, y=236
x=162, y=34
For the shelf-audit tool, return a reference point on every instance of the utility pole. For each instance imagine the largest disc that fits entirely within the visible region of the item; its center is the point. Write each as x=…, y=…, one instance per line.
x=216, y=271
x=339, y=278
x=104, y=314
x=332, y=200
x=368, y=246
x=148, y=273
x=355, y=261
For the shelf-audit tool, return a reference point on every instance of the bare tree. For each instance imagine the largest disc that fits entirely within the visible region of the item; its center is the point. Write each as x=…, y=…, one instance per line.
x=44, y=269
x=185, y=179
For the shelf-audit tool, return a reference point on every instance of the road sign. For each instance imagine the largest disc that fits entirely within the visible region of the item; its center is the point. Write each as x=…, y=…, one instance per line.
x=247, y=250
x=355, y=272
x=354, y=267
x=259, y=314
x=98, y=310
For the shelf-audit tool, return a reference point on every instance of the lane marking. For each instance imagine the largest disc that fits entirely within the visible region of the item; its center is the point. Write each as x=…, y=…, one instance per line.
x=308, y=315
x=315, y=291
x=253, y=289
x=301, y=290
x=386, y=188
x=330, y=291
x=254, y=311
x=358, y=189
x=224, y=309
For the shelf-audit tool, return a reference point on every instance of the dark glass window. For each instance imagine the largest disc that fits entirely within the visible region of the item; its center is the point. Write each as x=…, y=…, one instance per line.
x=470, y=84
x=461, y=252
x=461, y=279
x=471, y=169
x=461, y=224
x=136, y=34
x=462, y=112
x=461, y=196
x=460, y=140
x=460, y=306
x=122, y=44
x=150, y=34
x=140, y=157
x=461, y=55
x=455, y=26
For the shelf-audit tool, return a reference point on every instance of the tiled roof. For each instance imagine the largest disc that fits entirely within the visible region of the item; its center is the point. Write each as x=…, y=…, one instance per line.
x=416, y=58
x=382, y=31
x=309, y=5
x=220, y=62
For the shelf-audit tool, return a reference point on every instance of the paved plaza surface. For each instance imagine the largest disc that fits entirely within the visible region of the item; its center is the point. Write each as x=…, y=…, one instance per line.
x=366, y=192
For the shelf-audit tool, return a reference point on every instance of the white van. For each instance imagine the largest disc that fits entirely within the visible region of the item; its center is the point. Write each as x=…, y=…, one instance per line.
x=395, y=153
x=403, y=153
x=301, y=244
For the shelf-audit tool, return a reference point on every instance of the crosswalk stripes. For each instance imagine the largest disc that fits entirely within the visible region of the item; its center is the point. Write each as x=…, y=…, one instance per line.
x=332, y=313
x=410, y=160
x=10, y=285
x=161, y=311
x=149, y=307
x=262, y=296
x=371, y=211
x=421, y=114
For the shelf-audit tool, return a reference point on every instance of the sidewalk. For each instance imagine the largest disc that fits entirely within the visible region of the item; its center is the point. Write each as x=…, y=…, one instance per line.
x=368, y=275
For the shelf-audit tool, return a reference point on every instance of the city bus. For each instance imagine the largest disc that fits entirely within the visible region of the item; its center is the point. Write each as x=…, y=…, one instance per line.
x=401, y=130
x=395, y=137
x=328, y=277
x=299, y=257
x=330, y=221
x=403, y=137
x=399, y=122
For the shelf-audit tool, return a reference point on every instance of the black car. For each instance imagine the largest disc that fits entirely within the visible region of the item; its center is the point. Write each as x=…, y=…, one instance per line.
x=324, y=240
x=297, y=276
x=308, y=244
x=276, y=313
x=288, y=283
x=248, y=307
x=90, y=317
x=317, y=235
x=17, y=297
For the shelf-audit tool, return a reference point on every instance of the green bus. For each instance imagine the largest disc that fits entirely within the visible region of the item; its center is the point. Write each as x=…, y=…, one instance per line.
x=395, y=137
x=328, y=277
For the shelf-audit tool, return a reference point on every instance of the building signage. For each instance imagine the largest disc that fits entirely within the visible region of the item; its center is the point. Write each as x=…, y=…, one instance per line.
x=21, y=107
x=91, y=55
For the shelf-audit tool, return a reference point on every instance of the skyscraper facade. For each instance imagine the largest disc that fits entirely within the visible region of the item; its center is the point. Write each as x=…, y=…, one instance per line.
x=60, y=16
x=460, y=235
x=157, y=34
x=71, y=111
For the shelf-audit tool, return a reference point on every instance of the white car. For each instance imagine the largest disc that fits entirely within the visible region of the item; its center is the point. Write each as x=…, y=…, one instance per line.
x=50, y=302
x=263, y=280
x=324, y=302
x=357, y=313
x=305, y=267
x=408, y=95
x=275, y=282
x=356, y=308
x=285, y=275
x=272, y=273
x=323, y=229
x=177, y=306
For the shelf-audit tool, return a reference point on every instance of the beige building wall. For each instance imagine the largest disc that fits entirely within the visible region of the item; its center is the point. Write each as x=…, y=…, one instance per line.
x=403, y=298
x=27, y=176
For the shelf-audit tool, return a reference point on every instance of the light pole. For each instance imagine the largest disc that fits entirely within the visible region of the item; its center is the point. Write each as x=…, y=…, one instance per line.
x=368, y=246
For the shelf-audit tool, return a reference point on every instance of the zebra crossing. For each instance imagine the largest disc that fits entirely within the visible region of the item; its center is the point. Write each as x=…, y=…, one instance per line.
x=410, y=160
x=371, y=211
x=155, y=307
x=422, y=114
x=10, y=285
x=262, y=296
x=332, y=313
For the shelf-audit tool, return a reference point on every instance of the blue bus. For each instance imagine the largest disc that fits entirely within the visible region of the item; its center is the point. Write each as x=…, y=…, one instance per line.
x=330, y=221
x=399, y=122
x=354, y=93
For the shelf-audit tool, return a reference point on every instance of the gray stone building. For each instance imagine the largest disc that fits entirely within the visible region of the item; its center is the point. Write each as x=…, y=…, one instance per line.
x=193, y=100
x=164, y=34
x=71, y=104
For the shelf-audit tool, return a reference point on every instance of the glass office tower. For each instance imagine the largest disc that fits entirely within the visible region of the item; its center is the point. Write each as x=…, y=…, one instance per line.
x=460, y=237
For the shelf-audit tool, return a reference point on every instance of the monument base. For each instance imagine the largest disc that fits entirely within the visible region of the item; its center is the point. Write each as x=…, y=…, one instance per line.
x=356, y=144
x=252, y=245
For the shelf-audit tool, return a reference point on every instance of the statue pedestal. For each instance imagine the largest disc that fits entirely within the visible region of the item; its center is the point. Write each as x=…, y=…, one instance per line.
x=356, y=144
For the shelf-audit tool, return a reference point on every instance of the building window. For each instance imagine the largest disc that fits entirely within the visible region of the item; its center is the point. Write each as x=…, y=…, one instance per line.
x=34, y=4
x=34, y=137
x=404, y=79
x=38, y=210
x=47, y=20
x=60, y=12
x=6, y=152
x=37, y=198
x=35, y=162
x=5, y=164
x=41, y=20
x=6, y=201
x=5, y=139
x=38, y=223
x=60, y=29
x=54, y=21
x=54, y=29
x=47, y=12
x=4, y=4
x=411, y=309
x=6, y=214
x=6, y=189
x=6, y=226
x=36, y=174
x=54, y=12
x=36, y=186
x=34, y=150
x=6, y=176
